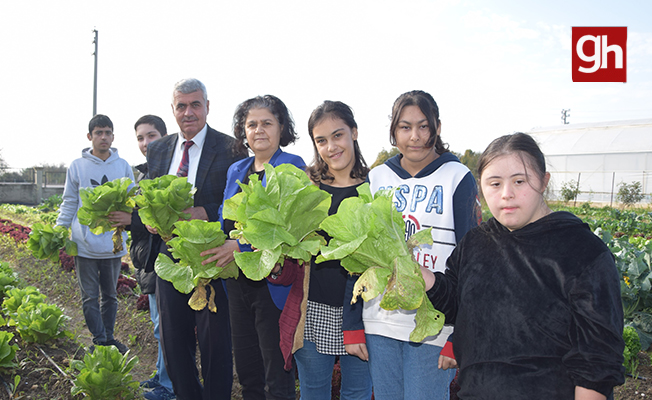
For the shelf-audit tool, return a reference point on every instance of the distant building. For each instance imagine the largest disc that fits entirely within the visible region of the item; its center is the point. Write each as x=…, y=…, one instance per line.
x=599, y=155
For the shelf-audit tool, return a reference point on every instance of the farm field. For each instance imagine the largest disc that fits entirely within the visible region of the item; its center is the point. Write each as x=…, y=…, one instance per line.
x=44, y=369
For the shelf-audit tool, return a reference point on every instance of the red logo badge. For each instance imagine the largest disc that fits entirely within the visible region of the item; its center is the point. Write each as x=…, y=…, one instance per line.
x=599, y=54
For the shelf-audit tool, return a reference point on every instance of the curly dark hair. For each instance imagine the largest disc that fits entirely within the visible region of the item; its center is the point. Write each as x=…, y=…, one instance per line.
x=276, y=107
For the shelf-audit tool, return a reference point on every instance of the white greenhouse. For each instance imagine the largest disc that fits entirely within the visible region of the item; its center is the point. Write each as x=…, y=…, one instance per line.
x=598, y=155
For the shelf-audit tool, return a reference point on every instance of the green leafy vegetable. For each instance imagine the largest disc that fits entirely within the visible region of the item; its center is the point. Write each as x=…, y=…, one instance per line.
x=368, y=237
x=21, y=299
x=98, y=202
x=189, y=274
x=105, y=374
x=8, y=278
x=279, y=220
x=162, y=202
x=41, y=323
x=7, y=351
x=632, y=348
x=45, y=241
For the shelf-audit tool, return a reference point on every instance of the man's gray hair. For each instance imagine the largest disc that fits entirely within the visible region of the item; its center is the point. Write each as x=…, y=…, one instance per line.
x=189, y=85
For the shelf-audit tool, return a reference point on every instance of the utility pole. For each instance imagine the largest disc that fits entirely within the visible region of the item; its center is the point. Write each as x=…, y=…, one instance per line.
x=565, y=114
x=95, y=76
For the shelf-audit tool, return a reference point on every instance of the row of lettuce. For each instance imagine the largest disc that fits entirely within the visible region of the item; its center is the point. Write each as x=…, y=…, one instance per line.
x=104, y=372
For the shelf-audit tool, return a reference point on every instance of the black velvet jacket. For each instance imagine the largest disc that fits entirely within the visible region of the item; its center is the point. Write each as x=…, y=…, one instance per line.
x=537, y=311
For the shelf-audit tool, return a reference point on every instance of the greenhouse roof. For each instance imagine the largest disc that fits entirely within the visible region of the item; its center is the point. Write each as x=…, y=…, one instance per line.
x=632, y=136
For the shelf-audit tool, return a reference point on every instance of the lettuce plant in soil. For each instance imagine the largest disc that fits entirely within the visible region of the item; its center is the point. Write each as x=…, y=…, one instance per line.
x=8, y=278
x=18, y=232
x=105, y=374
x=7, y=351
x=368, y=237
x=188, y=274
x=21, y=300
x=279, y=219
x=41, y=323
x=98, y=202
x=632, y=348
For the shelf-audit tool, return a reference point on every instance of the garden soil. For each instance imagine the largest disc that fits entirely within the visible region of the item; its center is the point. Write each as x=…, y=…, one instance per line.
x=44, y=369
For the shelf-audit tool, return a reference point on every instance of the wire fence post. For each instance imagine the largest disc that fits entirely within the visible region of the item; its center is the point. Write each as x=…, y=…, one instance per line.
x=613, y=179
x=579, y=174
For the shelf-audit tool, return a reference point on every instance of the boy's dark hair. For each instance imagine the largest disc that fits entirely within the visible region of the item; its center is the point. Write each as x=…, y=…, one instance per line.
x=428, y=107
x=275, y=106
x=154, y=120
x=99, y=121
x=334, y=109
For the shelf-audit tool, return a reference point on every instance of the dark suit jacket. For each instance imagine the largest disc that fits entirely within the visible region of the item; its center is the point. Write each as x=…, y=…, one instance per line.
x=216, y=157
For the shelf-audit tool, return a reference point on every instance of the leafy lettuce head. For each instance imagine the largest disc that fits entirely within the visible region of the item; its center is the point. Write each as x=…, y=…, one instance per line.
x=279, y=219
x=368, y=236
x=188, y=273
x=162, y=201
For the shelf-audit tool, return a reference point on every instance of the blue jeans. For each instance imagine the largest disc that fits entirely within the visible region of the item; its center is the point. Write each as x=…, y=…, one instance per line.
x=97, y=280
x=407, y=370
x=162, y=373
x=316, y=373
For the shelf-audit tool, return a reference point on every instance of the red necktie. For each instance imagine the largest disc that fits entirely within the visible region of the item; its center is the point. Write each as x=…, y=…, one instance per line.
x=185, y=160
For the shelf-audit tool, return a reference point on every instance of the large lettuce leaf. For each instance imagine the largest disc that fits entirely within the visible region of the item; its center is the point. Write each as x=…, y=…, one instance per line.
x=98, y=202
x=279, y=220
x=162, y=202
x=188, y=273
x=368, y=237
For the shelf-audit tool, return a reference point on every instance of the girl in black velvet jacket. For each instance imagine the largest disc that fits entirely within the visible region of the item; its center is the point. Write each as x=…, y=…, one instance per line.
x=534, y=295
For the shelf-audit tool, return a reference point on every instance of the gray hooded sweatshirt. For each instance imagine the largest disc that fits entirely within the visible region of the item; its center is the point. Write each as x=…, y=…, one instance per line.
x=91, y=171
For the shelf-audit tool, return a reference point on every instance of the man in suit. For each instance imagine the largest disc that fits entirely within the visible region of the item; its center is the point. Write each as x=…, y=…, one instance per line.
x=204, y=156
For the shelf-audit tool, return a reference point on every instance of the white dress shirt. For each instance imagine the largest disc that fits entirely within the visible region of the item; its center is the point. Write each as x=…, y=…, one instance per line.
x=194, y=153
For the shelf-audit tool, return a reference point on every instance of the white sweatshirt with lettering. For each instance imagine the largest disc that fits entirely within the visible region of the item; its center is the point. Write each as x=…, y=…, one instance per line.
x=443, y=196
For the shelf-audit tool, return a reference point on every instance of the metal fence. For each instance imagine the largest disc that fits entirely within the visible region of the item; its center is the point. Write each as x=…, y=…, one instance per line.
x=52, y=177
x=600, y=186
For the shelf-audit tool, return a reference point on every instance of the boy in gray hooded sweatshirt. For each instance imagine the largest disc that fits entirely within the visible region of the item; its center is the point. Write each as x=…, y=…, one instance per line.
x=96, y=266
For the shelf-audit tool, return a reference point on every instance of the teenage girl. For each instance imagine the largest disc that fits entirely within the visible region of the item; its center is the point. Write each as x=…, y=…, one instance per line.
x=534, y=294
x=333, y=327
x=263, y=124
x=432, y=189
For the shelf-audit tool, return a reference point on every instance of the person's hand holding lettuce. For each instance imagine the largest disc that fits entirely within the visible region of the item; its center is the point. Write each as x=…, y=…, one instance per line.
x=45, y=241
x=188, y=273
x=98, y=202
x=279, y=220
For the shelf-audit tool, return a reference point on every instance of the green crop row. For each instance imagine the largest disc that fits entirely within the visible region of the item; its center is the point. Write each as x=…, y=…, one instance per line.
x=104, y=373
x=27, y=310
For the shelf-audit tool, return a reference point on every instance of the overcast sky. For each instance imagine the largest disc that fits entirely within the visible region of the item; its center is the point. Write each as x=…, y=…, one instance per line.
x=494, y=67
